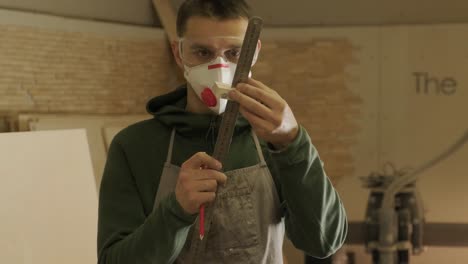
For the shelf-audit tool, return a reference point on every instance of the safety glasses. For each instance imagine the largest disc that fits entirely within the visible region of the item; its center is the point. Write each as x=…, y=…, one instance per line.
x=196, y=51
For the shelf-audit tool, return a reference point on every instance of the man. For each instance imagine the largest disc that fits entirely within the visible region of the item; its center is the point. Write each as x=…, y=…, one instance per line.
x=159, y=172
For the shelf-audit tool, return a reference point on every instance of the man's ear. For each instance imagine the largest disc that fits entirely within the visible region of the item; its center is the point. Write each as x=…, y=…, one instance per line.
x=176, y=53
x=259, y=47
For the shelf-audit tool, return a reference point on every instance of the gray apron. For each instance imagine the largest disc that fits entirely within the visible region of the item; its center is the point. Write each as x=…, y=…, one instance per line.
x=246, y=225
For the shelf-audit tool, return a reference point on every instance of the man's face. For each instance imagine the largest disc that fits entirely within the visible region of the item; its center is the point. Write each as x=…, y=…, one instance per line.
x=207, y=38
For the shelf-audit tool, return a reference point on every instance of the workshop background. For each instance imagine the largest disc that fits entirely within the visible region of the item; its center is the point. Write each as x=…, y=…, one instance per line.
x=378, y=85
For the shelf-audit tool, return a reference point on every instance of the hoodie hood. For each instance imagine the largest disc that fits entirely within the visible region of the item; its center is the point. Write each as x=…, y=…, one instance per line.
x=169, y=109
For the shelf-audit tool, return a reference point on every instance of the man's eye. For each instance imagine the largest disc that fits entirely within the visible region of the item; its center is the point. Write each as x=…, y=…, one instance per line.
x=203, y=53
x=233, y=53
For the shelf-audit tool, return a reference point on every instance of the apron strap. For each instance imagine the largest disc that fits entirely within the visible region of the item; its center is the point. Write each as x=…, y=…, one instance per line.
x=169, y=150
x=258, y=147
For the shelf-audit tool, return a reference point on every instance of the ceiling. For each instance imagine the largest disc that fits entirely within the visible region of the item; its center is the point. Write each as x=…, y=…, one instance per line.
x=275, y=12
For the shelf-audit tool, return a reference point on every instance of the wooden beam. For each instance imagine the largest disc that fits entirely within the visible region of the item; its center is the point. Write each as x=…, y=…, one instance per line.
x=435, y=234
x=168, y=17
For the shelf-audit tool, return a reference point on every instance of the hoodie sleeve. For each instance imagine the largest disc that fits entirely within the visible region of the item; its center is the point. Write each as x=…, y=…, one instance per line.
x=314, y=215
x=125, y=233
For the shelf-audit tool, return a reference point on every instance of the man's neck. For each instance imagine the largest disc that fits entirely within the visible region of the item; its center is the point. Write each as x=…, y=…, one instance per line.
x=194, y=104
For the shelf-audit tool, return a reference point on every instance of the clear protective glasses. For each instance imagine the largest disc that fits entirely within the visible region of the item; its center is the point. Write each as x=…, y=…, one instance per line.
x=197, y=51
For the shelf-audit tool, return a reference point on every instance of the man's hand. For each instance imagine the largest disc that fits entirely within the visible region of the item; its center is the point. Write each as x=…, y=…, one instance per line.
x=269, y=114
x=197, y=186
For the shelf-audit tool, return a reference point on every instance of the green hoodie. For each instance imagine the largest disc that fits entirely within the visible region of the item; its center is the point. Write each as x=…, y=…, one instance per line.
x=129, y=231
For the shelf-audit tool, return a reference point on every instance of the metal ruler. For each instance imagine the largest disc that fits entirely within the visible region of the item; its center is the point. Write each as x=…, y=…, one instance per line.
x=228, y=122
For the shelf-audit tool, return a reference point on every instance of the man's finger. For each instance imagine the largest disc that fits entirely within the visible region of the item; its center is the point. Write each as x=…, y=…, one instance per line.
x=256, y=121
x=205, y=197
x=205, y=186
x=208, y=174
x=260, y=85
x=260, y=95
x=251, y=104
x=201, y=159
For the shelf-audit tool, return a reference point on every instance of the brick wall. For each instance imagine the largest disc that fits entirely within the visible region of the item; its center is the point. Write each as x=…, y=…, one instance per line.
x=54, y=70
x=70, y=72
x=312, y=77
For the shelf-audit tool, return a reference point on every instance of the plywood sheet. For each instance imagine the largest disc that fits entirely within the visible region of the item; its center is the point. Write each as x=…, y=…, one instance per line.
x=48, y=202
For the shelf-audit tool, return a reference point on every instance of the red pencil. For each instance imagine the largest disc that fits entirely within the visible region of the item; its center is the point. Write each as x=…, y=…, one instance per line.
x=201, y=219
x=202, y=222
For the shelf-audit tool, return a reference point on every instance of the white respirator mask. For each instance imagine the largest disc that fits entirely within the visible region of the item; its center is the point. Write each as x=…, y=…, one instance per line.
x=211, y=82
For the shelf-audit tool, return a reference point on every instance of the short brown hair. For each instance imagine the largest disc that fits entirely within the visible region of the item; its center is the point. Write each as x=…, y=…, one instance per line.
x=219, y=9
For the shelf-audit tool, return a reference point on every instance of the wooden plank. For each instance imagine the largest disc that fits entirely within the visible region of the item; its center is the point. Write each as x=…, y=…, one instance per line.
x=3, y=125
x=168, y=17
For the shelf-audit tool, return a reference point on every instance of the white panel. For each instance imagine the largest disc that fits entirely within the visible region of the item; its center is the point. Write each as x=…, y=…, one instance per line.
x=95, y=127
x=48, y=202
x=415, y=127
x=418, y=126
